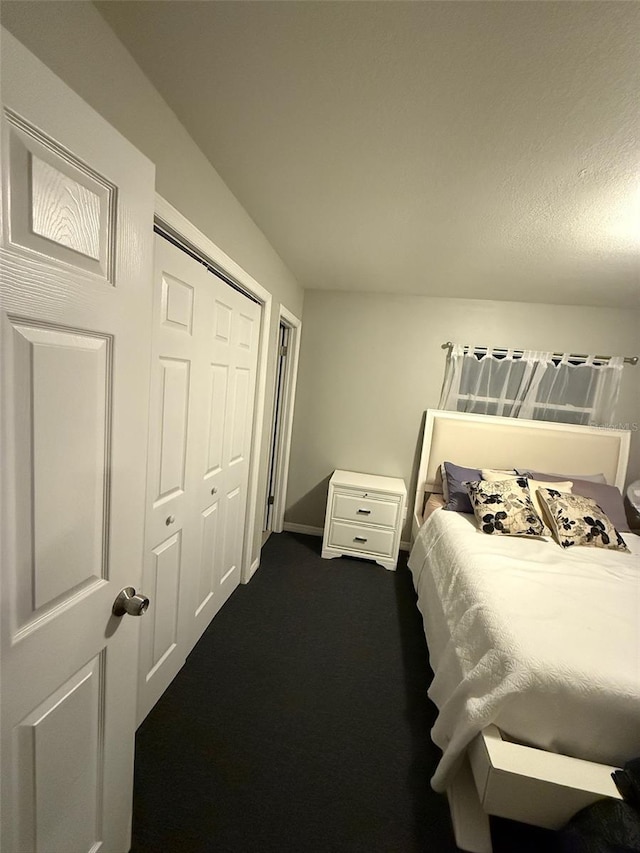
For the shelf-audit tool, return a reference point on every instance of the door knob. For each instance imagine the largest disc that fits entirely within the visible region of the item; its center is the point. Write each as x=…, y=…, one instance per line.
x=129, y=601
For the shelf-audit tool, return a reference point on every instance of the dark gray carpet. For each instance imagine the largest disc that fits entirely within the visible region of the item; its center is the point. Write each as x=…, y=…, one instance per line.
x=300, y=723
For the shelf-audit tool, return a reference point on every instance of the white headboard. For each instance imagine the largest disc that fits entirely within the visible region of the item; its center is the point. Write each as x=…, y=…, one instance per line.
x=488, y=441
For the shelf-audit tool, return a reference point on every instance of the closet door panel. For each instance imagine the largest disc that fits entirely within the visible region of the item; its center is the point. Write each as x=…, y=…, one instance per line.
x=232, y=355
x=165, y=591
x=210, y=558
x=169, y=531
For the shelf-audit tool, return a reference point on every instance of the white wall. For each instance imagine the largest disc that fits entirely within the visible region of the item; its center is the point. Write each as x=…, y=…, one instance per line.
x=75, y=41
x=371, y=364
x=78, y=45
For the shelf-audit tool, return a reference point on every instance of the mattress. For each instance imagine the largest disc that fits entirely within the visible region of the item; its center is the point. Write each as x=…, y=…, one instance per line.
x=542, y=641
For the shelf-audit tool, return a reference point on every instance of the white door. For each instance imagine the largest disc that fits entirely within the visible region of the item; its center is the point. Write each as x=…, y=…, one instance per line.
x=276, y=426
x=205, y=347
x=77, y=208
x=222, y=460
x=170, y=553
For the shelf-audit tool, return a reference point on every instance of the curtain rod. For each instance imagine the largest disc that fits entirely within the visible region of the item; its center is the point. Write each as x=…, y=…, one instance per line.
x=631, y=359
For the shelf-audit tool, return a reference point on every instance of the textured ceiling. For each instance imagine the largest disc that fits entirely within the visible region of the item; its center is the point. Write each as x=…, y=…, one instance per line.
x=472, y=149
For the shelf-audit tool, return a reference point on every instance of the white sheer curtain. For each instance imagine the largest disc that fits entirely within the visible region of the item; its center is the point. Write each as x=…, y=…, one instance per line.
x=531, y=384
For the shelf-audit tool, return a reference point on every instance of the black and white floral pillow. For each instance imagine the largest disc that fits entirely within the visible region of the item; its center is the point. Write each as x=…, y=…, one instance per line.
x=576, y=520
x=505, y=507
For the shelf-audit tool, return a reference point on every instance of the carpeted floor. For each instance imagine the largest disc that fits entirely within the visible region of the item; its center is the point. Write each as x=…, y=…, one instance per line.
x=300, y=723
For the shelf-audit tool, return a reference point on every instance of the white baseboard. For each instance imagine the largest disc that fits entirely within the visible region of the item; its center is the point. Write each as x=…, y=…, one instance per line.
x=292, y=527
x=252, y=570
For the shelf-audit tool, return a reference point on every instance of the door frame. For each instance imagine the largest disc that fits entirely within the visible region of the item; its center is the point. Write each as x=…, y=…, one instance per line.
x=283, y=426
x=167, y=215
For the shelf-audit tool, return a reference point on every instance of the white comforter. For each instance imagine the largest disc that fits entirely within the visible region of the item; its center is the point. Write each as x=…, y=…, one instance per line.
x=543, y=642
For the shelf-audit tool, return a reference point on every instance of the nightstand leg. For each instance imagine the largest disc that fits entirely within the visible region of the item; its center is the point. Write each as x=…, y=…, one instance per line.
x=329, y=555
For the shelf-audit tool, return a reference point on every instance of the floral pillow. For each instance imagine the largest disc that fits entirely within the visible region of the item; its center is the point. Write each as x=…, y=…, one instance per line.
x=576, y=520
x=534, y=488
x=504, y=507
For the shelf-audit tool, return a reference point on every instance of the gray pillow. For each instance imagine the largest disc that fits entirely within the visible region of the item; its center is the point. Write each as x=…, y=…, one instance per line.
x=593, y=478
x=607, y=497
x=456, y=475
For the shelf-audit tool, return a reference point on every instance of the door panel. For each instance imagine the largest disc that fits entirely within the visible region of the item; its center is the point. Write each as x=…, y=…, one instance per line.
x=172, y=427
x=246, y=326
x=177, y=304
x=232, y=538
x=166, y=592
x=210, y=557
x=217, y=408
x=77, y=209
x=222, y=314
x=239, y=425
x=60, y=206
x=60, y=787
x=62, y=509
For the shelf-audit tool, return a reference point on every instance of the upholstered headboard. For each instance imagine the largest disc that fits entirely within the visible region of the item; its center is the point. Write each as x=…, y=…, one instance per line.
x=487, y=441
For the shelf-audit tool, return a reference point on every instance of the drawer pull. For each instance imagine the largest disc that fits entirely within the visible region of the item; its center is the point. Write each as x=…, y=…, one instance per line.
x=359, y=539
x=364, y=511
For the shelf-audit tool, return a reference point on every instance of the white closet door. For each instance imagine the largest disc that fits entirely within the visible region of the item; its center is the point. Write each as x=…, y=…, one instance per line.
x=173, y=424
x=222, y=475
x=75, y=293
x=203, y=381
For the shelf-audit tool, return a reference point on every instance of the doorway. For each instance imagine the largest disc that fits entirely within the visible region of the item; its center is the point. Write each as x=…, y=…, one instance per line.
x=289, y=329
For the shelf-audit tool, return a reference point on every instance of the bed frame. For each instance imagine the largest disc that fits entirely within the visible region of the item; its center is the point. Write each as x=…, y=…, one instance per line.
x=499, y=777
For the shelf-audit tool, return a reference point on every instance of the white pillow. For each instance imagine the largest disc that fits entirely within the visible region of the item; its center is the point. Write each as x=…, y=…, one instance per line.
x=495, y=475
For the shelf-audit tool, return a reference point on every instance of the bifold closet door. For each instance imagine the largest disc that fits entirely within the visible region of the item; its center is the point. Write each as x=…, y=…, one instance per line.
x=205, y=346
x=224, y=446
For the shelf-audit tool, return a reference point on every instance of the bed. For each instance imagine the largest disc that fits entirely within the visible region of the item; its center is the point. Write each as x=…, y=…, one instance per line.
x=535, y=649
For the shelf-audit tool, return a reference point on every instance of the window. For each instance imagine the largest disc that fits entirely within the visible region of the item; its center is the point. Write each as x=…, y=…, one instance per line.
x=531, y=384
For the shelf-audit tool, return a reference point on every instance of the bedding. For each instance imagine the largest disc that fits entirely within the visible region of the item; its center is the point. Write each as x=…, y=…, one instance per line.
x=541, y=641
x=433, y=503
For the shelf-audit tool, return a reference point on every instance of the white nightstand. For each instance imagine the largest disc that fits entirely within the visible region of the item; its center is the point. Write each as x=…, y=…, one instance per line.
x=365, y=515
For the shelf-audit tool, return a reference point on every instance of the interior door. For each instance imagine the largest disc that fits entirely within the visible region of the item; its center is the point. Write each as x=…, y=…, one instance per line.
x=205, y=349
x=77, y=212
x=222, y=460
x=276, y=429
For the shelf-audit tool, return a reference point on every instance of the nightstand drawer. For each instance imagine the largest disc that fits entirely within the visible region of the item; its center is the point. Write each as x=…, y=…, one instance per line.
x=354, y=538
x=368, y=510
